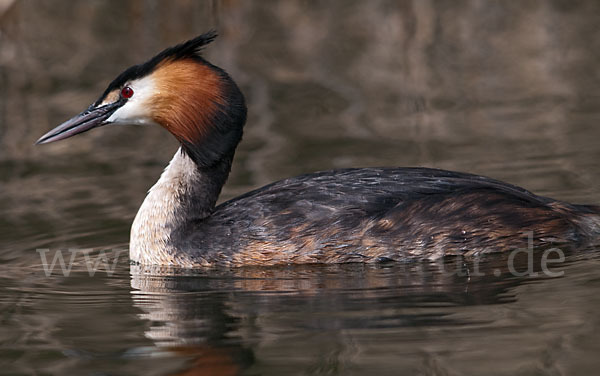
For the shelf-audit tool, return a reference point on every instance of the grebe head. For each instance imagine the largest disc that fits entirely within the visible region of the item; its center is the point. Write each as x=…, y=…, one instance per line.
x=194, y=100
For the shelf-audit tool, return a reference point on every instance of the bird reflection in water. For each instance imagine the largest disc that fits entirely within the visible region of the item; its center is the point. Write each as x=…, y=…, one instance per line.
x=217, y=319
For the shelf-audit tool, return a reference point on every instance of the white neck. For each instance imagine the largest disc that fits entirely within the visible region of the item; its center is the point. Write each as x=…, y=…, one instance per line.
x=160, y=213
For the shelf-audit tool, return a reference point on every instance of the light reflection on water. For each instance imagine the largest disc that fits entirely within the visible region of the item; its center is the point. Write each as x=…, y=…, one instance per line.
x=509, y=90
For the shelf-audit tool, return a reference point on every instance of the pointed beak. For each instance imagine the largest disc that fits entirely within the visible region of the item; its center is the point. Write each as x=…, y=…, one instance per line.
x=91, y=118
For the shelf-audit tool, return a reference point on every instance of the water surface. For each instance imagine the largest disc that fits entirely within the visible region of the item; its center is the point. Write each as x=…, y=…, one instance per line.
x=504, y=89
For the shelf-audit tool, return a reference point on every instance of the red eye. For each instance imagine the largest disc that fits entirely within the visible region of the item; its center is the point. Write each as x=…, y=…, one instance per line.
x=127, y=92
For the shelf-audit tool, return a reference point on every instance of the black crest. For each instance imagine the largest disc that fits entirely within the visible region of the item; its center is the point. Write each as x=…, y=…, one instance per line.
x=190, y=49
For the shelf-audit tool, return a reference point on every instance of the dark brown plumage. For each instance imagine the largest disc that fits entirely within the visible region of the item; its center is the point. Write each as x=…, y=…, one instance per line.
x=380, y=214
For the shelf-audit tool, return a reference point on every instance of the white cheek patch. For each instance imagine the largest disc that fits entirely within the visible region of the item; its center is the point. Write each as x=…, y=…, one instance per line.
x=137, y=109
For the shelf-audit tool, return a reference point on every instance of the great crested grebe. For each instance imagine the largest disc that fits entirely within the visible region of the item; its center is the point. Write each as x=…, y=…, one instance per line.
x=349, y=215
